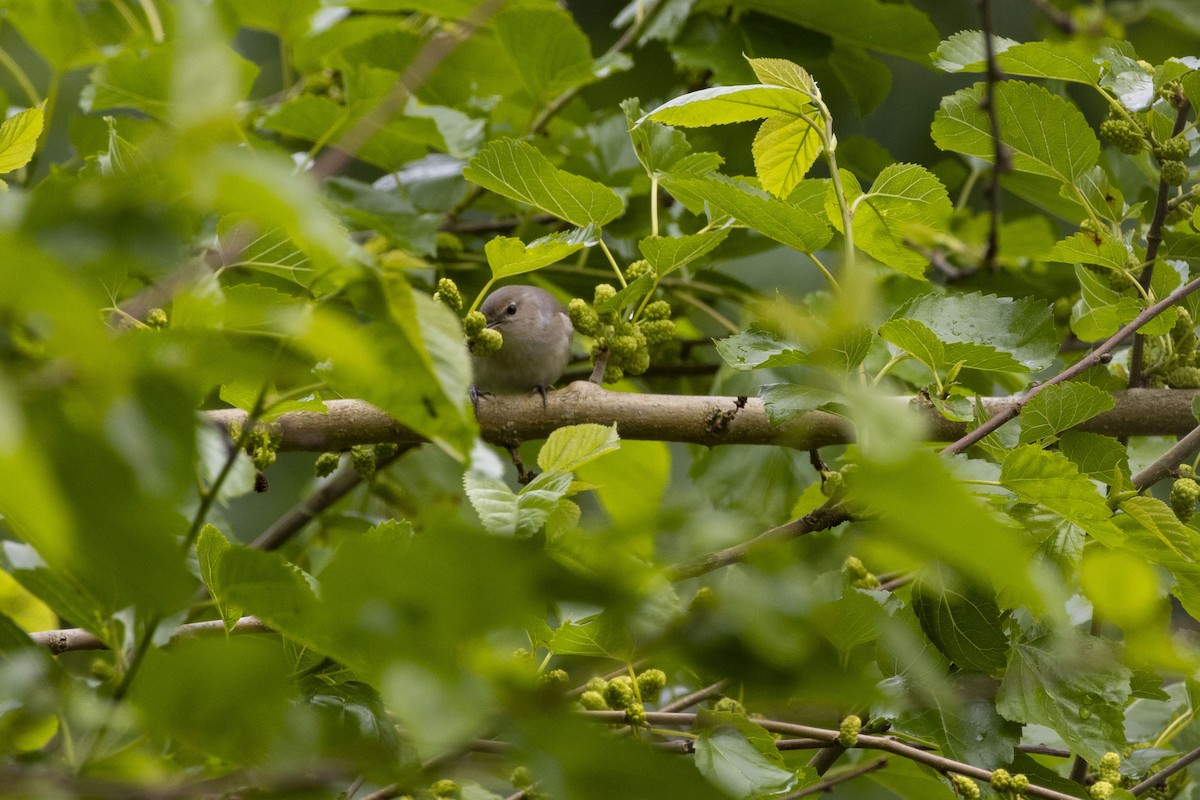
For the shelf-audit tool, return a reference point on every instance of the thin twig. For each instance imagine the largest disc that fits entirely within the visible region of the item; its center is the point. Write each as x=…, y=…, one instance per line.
x=828, y=784
x=1160, y=777
x=1158, y=469
x=1002, y=162
x=698, y=696
x=1094, y=358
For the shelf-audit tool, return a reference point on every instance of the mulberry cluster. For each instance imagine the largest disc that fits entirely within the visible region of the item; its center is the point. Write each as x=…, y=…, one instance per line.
x=1124, y=135
x=1174, y=149
x=1184, y=494
x=630, y=345
x=858, y=575
x=965, y=787
x=1175, y=173
x=624, y=693
x=481, y=340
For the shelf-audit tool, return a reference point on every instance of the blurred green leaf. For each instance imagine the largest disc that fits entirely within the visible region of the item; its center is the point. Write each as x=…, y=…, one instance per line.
x=18, y=138
x=567, y=449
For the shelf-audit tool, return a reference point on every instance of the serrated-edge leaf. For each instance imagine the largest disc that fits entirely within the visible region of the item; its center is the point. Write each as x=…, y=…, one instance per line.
x=668, y=253
x=516, y=170
x=508, y=256
x=721, y=105
x=784, y=150
x=567, y=449
x=914, y=337
x=1061, y=406
x=730, y=760
x=19, y=136
x=1053, y=482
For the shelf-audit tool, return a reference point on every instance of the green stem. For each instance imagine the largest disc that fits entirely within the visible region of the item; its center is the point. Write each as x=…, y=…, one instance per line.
x=20, y=77
x=487, y=287
x=613, y=261
x=130, y=18
x=888, y=367
x=654, y=205
x=152, y=16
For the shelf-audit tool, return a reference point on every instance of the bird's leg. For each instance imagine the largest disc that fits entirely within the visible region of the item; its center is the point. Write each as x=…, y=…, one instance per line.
x=542, y=391
x=598, y=370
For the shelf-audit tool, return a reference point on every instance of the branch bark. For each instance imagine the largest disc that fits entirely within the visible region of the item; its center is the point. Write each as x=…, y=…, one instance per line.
x=693, y=419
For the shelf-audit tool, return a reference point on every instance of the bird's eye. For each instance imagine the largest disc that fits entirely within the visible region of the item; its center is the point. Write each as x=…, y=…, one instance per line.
x=512, y=309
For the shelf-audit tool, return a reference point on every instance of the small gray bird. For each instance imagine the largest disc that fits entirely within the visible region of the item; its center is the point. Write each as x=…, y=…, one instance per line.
x=537, y=341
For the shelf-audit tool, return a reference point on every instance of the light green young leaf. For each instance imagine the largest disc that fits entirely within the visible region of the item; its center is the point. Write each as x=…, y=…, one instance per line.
x=1125, y=77
x=770, y=216
x=986, y=332
x=781, y=72
x=1054, y=483
x=567, y=449
x=668, y=253
x=508, y=256
x=721, y=105
x=506, y=513
x=903, y=198
x=1086, y=248
x=1061, y=406
x=630, y=484
x=914, y=338
x=1100, y=310
x=1046, y=134
x=518, y=171
x=1064, y=61
x=19, y=136
x=211, y=546
x=784, y=150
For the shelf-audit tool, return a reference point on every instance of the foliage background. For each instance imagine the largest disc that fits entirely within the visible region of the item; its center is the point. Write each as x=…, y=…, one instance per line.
x=430, y=622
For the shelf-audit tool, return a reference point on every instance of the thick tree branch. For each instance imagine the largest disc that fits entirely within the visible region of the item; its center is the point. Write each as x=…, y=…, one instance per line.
x=71, y=639
x=689, y=418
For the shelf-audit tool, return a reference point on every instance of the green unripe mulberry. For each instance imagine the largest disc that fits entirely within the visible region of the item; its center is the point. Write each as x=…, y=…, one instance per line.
x=1100, y=790
x=619, y=692
x=604, y=291
x=965, y=787
x=636, y=713
x=1184, y=494
x=848, y=731
x=444, y=788
x=637, y=269
x=658, y=331
x=521, y=778
x=727, y=705
x=363, y=461
x=659, y=309
x=326, y=464
x=583, y=317
x=1175, y=173
x=1110, y=768
x=156, y=318
x=1001, y=780
x=1125, y=136
x=651, y=682
x=1184, y=377
x=447, y=293
x=1174, y=149
x=593, y=701
x=488, y=341
x=473, y=323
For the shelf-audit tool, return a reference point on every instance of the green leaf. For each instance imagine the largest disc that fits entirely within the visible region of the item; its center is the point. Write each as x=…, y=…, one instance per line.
x=266, y=585
x=630, y=483
x=914, y=338
x=1046, y=134
x=904, y=199
x=657, y=146
x=1061, y=406
x=771, y=217
x=211, y=546
x=546, y=48
x=1075, y=685
x=961, y=716
x=721, y=105
x=1064, y=61
x=507, y=256
x=784, y=150
x=19, y=136
x=68, y=598
x=1087, y=248
x=986, y=332
x=922, y=512
x=668, y=253
x=741, y=766
x=757, y=349
x=519, y=172
x=596, y=637
x=884, y=27
x=506, y=513
x=1100, y=310
x=56, y=30
x=567, y=449
x=786, y=401
x=1096, y=456
x=1054, y=483
x=961, y=620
